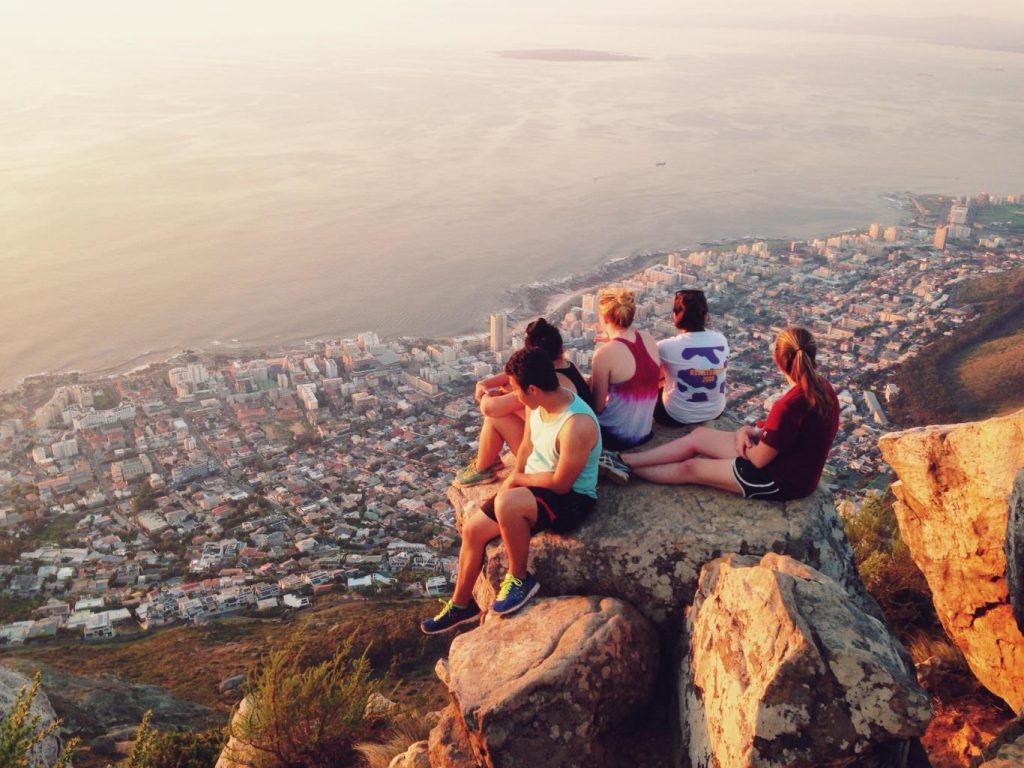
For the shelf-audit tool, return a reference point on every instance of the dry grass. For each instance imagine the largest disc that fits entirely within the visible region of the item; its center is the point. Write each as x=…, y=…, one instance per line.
x=404, y=731
x=993, y=371
x=926, y=646
x=191, y=661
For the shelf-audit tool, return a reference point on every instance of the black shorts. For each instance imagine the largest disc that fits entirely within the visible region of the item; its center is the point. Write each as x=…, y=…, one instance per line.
x=559, y=512
x=662, y=416
x=666, y=420
x=756, y=483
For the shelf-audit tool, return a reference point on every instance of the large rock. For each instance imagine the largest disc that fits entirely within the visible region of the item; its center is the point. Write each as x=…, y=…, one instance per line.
x=1015, y=550
x=11, y=683
x=542, y=686
x=416, y=756
x=1007, y=750
x=237, y=754
x=645, y=544
x=783, y=670
x=953, y=511
x=448, y=745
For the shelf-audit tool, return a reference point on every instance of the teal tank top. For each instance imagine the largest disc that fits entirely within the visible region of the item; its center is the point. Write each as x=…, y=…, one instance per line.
x=544, y=457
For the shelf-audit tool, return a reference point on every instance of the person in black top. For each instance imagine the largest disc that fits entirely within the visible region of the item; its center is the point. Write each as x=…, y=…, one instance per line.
x=503, y=413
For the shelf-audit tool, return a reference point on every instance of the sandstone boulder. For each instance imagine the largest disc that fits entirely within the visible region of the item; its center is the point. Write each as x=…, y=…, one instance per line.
x=235, y=753
x=1007, y=750
x=782, y=669
x=11, y=683
x=415, y=757
x=541, y=687
x=645, y=544
x=448, y=745
x=952, y=506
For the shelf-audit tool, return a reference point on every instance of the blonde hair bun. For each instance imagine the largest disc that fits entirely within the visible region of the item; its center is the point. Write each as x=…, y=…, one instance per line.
x=618, y=306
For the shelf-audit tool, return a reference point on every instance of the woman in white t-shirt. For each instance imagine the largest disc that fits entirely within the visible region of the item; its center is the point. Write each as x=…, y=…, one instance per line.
x=693, y=363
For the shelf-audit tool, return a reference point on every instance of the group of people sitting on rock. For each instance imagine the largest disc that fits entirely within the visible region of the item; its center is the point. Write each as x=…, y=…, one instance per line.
x=565, y=430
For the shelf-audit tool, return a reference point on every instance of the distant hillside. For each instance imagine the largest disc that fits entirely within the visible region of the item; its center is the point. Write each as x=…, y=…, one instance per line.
x=191, y=661
x=976, y=372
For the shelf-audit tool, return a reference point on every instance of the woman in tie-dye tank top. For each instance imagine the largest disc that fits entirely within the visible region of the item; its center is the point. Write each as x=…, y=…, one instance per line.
x=625, y=374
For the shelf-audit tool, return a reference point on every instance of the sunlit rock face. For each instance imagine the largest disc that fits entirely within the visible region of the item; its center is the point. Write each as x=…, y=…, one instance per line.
x=783, y=670
x=645, y=544
x=448, y=745
x=237, y=754
x=953, y=507
x=541, y=687
x=11, y=682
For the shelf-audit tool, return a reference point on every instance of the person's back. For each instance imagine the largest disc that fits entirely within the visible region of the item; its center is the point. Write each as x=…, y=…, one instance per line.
x=695, y=366
x=694, y=363
x=545, y=438
x=625, y=375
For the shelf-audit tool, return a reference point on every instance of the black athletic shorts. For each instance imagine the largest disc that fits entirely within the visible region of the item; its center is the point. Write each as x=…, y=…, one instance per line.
x=664, y=418
x=559, y=512
x=756, y=482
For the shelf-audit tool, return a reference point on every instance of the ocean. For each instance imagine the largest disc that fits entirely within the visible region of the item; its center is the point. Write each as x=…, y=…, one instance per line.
x=209, y=197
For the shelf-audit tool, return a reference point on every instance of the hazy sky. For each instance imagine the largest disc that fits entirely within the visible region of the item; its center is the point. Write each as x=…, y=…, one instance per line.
x=428, y=22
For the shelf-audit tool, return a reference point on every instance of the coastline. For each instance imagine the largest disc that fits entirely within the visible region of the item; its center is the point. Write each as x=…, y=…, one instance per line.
x=527, y=301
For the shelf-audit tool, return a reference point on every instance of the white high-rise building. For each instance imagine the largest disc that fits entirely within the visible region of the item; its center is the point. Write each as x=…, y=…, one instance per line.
x=198, y=374
x=307, y=394
x=498, y=332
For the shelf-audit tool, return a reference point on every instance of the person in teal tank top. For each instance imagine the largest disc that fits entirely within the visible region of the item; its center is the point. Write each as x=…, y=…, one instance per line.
x=553, y=486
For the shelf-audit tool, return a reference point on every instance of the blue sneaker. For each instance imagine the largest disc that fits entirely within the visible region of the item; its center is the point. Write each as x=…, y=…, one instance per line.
x=611, y=467
x=514, y=593
x=450, y=617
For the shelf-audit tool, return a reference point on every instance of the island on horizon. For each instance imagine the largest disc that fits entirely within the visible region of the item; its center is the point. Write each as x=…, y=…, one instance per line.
x=567, y=54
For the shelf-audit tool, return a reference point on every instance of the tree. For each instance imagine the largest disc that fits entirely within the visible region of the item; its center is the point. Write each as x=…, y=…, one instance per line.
x=21, y=732
x=300, y=715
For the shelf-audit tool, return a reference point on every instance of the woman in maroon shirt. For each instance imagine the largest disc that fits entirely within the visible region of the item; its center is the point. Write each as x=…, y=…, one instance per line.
x=779, y=460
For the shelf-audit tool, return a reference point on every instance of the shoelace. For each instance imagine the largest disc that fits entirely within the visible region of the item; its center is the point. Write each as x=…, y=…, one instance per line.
x=448, y=604
x=506, y=585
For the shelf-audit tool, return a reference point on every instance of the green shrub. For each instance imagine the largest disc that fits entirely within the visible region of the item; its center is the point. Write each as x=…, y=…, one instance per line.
x=21, y=732
x=172, y=749
x=885, y=565
x=301, y=716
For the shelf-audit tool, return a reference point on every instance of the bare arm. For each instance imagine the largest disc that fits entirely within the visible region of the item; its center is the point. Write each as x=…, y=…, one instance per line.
x=760, y=454
x=496, y=406
x=576, y=439
x=497, y=381
x=600, y=379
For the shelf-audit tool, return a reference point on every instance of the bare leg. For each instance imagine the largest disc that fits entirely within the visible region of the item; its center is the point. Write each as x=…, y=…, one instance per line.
x=516, y=509
x=496, y=433
x=477, y=531
x=716, y=473
x=703, y=441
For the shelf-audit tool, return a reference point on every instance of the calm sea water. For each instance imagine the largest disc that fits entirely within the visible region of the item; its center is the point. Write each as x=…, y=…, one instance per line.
x=152, y=200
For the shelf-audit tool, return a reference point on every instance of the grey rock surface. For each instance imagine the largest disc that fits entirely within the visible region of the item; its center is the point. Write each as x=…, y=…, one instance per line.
x=783, y=671
x=645, y=543
x=542, y=686
x=11, y=682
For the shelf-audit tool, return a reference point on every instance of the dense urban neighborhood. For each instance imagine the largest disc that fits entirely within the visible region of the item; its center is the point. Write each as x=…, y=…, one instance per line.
x=213, y=484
